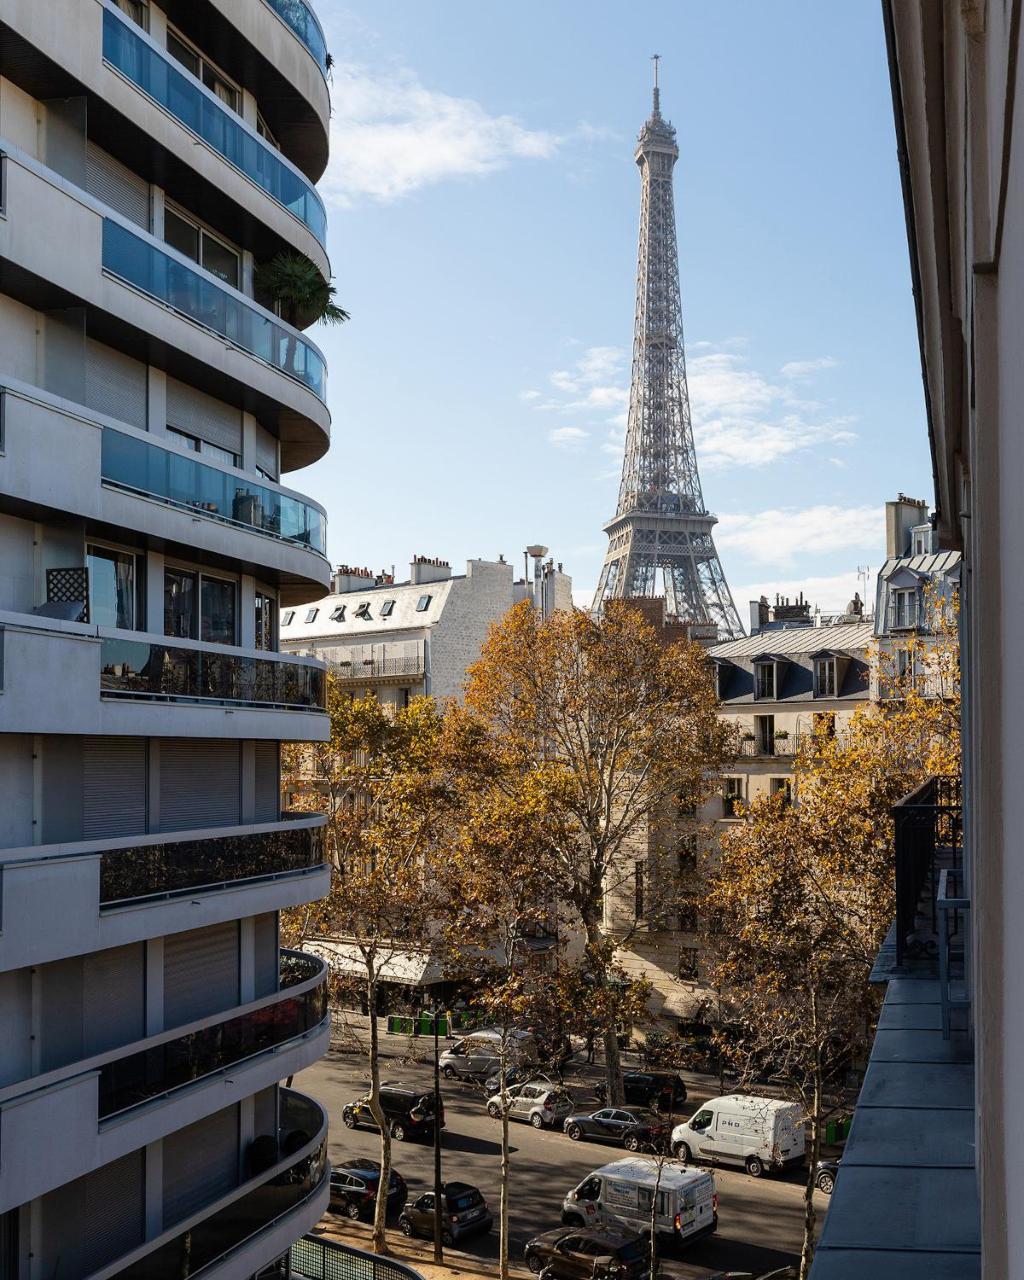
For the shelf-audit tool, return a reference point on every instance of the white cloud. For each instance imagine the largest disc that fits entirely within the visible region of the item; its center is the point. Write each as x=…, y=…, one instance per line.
x=830, y=593
x=802, y=368
x=529, y=395
x=390, y=136
x=568, y=437
x=778, y=536
x=583, y=597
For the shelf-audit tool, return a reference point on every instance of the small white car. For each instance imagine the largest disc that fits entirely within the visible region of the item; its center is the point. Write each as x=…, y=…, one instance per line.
x=536, y=1102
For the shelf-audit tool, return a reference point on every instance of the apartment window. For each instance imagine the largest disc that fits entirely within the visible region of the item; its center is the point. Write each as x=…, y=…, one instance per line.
x=688, y=964
x=364, y=612
x=764, y=680
x=689, y=918
x=781, y=787
x=217, y=611
x=423, y=604
x=202, y=246
x=825, y=724
x=686, y=854
x=825, y=677
x=137, y=10
x=904, y=609
x=114, y=588
x=764, y=735
x=265, y=612
x=192, y=60
x=181, y=603
x=195, y=445
x=723, y=677
x=263, y=129
x=288, y=618
x=387, y=608
x=732, y=796
x=638, y=890
x=338, y=613
x=311, y=615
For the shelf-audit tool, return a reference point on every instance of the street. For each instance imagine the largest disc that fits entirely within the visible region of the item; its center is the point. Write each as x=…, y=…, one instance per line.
x=760, y=1220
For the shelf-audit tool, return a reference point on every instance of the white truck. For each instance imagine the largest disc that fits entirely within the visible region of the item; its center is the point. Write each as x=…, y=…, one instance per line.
x=621, y=1195
x=758, y=1133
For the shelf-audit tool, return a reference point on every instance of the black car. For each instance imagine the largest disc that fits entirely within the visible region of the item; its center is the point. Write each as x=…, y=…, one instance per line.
x=354, y=1186
x=464, y=1212
x=633, y=1127
x=825, y=1174
x=408, y=1110
x=662, y=1089
x=569, y=1253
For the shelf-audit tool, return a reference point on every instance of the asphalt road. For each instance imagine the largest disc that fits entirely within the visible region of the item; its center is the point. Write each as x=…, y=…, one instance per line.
x=760, y=1221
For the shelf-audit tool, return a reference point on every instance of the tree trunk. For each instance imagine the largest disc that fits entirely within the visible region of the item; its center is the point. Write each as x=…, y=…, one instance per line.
x=613, y=1068
x=379, y=1243
x=503, y=1208
x=810, y=1216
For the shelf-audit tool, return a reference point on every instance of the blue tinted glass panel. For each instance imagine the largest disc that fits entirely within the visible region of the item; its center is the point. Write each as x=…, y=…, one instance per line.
x=300, y=17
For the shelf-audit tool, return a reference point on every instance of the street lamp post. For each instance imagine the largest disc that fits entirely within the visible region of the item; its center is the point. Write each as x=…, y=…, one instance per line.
x=438, y=1245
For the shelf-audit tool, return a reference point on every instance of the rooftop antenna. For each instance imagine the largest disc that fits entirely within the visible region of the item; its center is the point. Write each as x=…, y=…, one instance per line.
x=656, y=58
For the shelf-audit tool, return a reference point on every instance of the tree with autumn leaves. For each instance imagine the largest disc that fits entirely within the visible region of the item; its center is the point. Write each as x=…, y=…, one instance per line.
x=802, y=895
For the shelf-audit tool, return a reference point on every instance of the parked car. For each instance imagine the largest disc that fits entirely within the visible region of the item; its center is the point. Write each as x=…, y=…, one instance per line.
x=663, y=1089
x=354, y=1186
x=569, y=1253
x=633, y=1127
x=757, y=1133
x=464, y=1212
x=478, y=1055
x=538, y=1103
x=515, y=1075
x=619, y=1197
x=825, y=1173
x=408, y=1110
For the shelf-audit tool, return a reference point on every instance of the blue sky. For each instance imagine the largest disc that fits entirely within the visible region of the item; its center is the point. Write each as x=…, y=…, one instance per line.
x=484, y=205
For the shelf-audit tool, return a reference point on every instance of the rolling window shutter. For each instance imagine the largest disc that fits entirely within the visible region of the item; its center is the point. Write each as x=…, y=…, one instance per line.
x=200, y=783
x=201, y=415
x=268, y=783
x=113, y=998
x=116, y=186
x=200, y=1164
x=201, y=973
x=112, y=1219
x=114, y=787
x=115, y=384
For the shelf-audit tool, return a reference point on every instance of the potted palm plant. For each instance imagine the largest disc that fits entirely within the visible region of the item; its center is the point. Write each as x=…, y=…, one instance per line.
x=300, y=293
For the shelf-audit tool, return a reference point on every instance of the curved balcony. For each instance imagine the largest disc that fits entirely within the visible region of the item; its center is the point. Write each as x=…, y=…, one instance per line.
x=151, y=70
x=271, y=1199
x=181, y=480
x=173, y=280
x=299, y=16
x=189, y=671
x=161, y=1069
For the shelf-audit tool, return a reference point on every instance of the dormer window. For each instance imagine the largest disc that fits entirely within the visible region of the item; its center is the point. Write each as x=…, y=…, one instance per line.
x=825, y=677
x=904, y=609
x=338, y=613
x=387, y=608
x=723, y=678
x=423, y=604
x=764, y=680
x=364, y=611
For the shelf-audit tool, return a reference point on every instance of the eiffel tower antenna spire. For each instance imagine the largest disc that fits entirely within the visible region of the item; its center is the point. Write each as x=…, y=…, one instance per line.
x=661, y=528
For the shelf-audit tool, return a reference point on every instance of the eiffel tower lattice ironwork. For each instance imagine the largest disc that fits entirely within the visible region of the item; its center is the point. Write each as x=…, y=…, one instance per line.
x=661, y=526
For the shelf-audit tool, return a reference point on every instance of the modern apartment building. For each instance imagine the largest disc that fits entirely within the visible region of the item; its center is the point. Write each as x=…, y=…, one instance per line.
x=152, y=157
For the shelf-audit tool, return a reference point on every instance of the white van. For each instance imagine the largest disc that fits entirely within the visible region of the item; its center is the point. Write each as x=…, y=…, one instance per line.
x=478, y=1055
x=619, y=1195
x=758, y=1133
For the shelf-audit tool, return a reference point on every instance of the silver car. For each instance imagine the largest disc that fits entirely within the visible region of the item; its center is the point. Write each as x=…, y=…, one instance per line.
x=536, y=1102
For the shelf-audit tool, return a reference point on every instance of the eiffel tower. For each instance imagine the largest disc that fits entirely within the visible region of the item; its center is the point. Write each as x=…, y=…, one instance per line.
x=661, y=525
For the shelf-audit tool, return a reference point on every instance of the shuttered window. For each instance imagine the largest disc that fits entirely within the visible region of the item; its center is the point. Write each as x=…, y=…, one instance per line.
x=116, y=186
x=266, y=452
x=114, y=787
x=200, y=415
x=90, y=1222
x=115, y=384
x=201, y=973
x=200, y=783
x=268, y=782
x=200, y=1164
x=113, y=998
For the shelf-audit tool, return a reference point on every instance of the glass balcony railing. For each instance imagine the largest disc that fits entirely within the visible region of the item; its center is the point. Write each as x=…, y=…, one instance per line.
x=302, y=20
x=140, y=1077
x=211, y=304
x=142, y=669
x=183, y=481
x=194, y=106
x=302, y=1131
x=143, y=872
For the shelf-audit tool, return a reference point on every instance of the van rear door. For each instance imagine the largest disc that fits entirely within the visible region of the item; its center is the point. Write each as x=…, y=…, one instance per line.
x=696, y=1207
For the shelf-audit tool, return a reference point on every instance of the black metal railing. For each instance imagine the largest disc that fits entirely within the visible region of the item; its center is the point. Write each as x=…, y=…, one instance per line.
x=786, y=744
x=301, y=1122
x=182, y=866
x=927, y=826
x=130, y=1081
x=141, y=669
x=317, y=1258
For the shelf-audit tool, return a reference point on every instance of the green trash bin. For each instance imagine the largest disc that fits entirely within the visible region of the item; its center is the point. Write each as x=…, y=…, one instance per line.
x=830, y=1133
x=400, y=1025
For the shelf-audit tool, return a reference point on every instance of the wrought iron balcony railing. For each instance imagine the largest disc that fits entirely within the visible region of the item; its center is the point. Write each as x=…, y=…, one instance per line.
x=378, y=668
x=303, y=21
x=294, y=1178
x=181, y=480
x=188, y=289
x=144, y=872
x=926, y=833
x=151, y=1073
x=182, y=673
x=785, y=746
x=153, y=71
